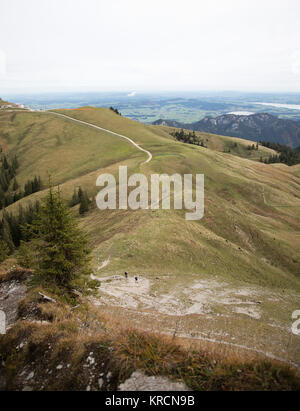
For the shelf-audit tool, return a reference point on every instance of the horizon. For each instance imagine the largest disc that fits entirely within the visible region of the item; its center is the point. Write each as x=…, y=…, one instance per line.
x=146, y=92
x=181, y=106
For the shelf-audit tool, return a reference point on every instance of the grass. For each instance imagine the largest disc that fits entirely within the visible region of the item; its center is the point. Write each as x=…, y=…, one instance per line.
x=68, y=351
x=244, y=239
x=236, y=214
x=225, y=144
x=45, y=144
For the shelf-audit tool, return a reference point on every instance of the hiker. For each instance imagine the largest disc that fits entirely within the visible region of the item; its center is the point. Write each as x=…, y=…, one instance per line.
x=136, y=278
x=126, y=275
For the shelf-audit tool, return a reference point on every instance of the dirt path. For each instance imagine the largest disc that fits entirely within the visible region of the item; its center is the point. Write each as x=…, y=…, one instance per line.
x=107, y=131
x=94, y=126
x=276, y=205
x=104, y=264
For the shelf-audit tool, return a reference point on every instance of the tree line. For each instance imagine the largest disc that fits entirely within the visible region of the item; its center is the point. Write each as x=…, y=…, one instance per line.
x=12, y=226
x=115, y=110
x=50, y=242
x=31, y=186
x=8, y=171
x=80, y=197
x=189, y=138
x=287, y=155
x=10, y=191
x=252, y=147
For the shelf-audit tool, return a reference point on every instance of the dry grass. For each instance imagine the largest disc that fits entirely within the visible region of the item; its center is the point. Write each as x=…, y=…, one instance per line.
x=10, y=270
x=243, y=238
x=68, y=352
x=240, y=235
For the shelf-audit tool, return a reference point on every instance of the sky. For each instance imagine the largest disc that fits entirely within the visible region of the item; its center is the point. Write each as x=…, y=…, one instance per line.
x=157, y=45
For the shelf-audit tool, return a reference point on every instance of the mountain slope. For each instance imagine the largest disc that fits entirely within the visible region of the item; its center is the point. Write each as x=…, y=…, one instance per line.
x=257, y=127
x=233, y=184
x=245, y=250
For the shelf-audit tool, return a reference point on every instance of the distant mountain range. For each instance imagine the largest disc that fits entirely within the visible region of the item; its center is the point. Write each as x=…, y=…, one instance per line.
x=256, y=127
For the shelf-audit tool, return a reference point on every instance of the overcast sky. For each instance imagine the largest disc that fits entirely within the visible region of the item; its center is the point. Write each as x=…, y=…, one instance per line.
x=127, y=45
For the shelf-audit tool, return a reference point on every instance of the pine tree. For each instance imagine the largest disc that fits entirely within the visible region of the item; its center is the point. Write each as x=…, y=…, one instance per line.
x=84, y=203
x=15, y=163
x=3, y=181
x=15, y=185
x=75, y=199
x=6, y=233
x=5, y=163
x=8, y=200
x=80, y=193
x=35, y=185
x=28, y=188
x=61, y=248
x=4, y=250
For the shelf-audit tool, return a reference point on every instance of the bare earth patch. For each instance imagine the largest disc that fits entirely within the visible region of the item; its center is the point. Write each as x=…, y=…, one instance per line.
x=198, y=298
x=205, y=309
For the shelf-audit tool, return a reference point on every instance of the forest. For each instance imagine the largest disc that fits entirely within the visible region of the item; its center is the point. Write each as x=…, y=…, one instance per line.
x=287, y=155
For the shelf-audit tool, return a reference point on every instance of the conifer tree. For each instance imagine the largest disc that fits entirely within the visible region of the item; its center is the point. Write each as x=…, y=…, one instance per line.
x=75, y=199
x=5, y=232
x=4, y=250
x=84, y=203
x=61, y=248
x=80, y=193
x=5, y=163
x=15, y=163
x=15, y=185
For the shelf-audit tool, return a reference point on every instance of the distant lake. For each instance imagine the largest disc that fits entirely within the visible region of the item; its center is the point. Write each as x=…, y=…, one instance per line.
x=289, y=106
x=241, y=113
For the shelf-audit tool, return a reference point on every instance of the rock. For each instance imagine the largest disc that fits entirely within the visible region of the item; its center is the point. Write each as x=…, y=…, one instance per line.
x=30, y=376
x=90, y=360
x=27, y=388
x=11, y=293
x=2, y=383
x=141, y=382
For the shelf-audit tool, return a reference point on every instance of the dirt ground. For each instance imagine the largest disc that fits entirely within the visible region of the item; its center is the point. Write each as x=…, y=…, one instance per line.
x=246, y=317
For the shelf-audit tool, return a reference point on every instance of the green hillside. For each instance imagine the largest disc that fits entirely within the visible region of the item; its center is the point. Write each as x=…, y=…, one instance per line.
x=245, y=249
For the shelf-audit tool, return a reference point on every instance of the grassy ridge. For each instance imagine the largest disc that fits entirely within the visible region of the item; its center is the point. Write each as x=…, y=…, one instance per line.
x=241, y=237
x=45, y=143
x=247, y=238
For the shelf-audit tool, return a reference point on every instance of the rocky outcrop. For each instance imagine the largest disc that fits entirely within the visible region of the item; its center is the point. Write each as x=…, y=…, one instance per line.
x=141, y=382
x=12, y=291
